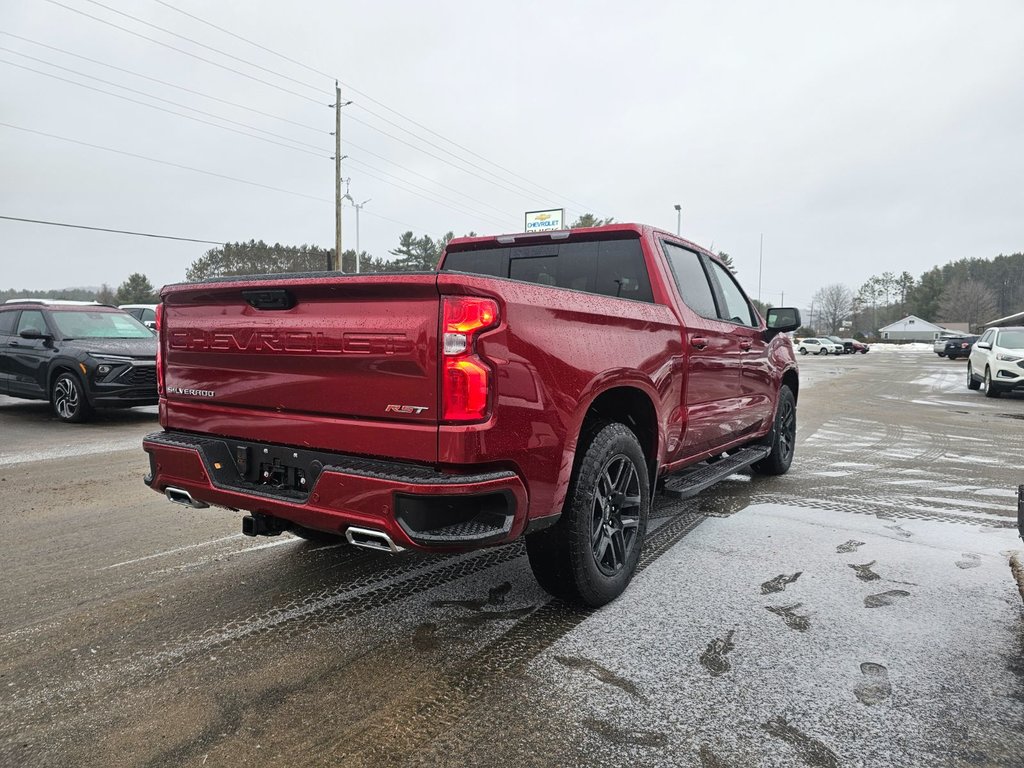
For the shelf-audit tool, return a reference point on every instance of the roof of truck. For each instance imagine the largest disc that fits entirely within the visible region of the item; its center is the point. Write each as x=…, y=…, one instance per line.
x=580, y=233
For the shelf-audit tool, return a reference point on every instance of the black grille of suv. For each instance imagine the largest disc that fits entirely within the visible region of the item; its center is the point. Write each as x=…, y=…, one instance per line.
x=139, y=377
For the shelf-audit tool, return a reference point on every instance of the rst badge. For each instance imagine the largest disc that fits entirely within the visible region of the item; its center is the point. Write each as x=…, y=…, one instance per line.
x=405, y=409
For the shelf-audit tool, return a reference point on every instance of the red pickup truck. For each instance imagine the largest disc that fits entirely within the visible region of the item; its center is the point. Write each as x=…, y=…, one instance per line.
x=537, y=385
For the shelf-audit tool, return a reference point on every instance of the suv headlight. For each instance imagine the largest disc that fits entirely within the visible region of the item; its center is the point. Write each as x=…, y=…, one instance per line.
x=1007, y=358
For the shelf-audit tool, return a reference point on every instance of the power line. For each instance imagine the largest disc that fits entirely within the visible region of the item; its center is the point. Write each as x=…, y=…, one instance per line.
x=163, y=82
x=437, y=157
x=115, y=231
x=205, y=172
x=166, y=162
x=158, y=98
x=371, y=99
x=203, y=45
x=407, y=169
x=168, y=111
x=186, y=53
x=466, y=208
x=437, y=201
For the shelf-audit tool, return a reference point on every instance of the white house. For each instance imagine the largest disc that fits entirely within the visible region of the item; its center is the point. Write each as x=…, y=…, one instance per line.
x=911, y=328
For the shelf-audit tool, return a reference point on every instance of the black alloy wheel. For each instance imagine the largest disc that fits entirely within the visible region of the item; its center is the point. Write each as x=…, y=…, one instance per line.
x=589, y=556
x=615, y=515
x=68, y=398
x=783, y=437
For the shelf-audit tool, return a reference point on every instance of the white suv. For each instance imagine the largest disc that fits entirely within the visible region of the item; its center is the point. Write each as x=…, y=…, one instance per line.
x=997, y=361
x=819, y=347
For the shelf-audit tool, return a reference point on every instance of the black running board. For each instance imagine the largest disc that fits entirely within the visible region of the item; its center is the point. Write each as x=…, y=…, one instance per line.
x=689, y=484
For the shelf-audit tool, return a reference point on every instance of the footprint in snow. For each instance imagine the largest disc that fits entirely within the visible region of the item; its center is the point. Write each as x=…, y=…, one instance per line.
x=900, y=531
x=778, y=584
x=864, y=572
x=970, y=560
x=849, y=546
x=875, y=687
x=884, y=598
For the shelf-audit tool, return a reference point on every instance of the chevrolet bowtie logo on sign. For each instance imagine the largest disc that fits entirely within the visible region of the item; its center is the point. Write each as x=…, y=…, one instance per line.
x=543, y=221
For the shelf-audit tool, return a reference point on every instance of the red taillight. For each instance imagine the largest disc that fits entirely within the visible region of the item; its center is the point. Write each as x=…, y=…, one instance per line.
x=159, y=352
x=465, y=376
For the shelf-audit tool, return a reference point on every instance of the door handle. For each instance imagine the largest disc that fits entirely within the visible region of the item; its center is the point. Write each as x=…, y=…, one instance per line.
x=13, y=344
x=699, y=342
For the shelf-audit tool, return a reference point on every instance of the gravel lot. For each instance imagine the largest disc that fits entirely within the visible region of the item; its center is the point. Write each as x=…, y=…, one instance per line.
x=858, y=611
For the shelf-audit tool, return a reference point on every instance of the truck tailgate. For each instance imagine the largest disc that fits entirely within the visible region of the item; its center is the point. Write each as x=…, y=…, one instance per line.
x=344, y=363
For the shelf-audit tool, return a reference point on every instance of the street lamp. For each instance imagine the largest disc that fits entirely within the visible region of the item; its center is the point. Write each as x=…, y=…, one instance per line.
x=679, y=219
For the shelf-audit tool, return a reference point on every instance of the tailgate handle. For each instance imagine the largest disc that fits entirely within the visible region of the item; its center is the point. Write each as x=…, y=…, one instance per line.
x=273, y=298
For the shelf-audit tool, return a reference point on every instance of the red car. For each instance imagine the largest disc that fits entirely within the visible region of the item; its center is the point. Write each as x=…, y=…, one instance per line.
x=534, y=385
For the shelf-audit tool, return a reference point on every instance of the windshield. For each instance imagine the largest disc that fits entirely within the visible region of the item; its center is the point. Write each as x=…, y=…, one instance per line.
x=1011, y=339
x=85, y=324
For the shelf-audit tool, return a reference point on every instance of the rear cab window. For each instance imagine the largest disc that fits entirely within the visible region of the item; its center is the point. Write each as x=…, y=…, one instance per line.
x=605, y=267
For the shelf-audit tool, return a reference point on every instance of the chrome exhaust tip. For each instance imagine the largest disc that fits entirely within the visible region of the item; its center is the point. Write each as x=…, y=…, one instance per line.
x=371, y=539
x=178, y=496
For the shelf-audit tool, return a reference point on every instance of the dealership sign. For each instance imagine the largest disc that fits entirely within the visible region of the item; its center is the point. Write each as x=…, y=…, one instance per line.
x=543, y=221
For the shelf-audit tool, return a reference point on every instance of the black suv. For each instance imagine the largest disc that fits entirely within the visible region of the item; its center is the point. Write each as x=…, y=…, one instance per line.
x=959, y=346
x=77, y=355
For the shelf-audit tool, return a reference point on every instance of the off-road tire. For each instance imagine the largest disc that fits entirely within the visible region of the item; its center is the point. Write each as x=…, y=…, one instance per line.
x=783, y=437
x=972, y=383
x=68, y=399
x=564, y=557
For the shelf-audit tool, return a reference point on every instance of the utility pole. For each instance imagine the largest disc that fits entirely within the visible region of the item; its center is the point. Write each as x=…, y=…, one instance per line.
x=760, y=261
x=358, y=207
x=337, y=175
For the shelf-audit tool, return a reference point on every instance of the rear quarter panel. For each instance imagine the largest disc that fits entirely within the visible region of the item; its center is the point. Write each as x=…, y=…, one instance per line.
x=553, y=353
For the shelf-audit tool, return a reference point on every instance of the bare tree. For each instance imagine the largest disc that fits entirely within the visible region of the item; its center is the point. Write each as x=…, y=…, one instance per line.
x=835, y=303
x=967, y=301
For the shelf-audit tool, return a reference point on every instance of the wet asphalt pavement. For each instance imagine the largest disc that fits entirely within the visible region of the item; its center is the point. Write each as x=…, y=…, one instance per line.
x=858, y=611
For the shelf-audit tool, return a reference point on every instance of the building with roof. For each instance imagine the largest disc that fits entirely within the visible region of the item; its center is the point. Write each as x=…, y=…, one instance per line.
x=911, y=328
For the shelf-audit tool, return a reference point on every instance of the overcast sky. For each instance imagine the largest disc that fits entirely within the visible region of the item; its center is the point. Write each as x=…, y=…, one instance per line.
x=857, y=137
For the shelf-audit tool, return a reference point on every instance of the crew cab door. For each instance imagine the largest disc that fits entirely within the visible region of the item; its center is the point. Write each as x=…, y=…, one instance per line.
x=756, y=383
x=714, y=357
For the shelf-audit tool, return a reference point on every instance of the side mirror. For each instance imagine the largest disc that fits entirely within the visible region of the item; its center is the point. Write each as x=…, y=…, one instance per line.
x=983, y=345
x=782, y=320
x=32, y=333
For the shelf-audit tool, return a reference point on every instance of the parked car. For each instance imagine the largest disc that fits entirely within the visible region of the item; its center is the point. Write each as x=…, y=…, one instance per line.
x=535, y=385
x=144, y=313
x=959, y=346
x=843, y=348
x=939, y=347
x=853, y=346
x=77, y=355
x=996, y=361
x=821, y=346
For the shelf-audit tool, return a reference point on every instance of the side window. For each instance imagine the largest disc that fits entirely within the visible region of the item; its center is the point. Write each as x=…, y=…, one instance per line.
x=31, y=319
x=736, y=308
x=148, y=316
x=691, y=280
x=492, y=262
x=7, y=322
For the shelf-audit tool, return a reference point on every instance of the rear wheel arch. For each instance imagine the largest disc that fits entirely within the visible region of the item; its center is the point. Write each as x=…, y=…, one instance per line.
x=632, y=407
